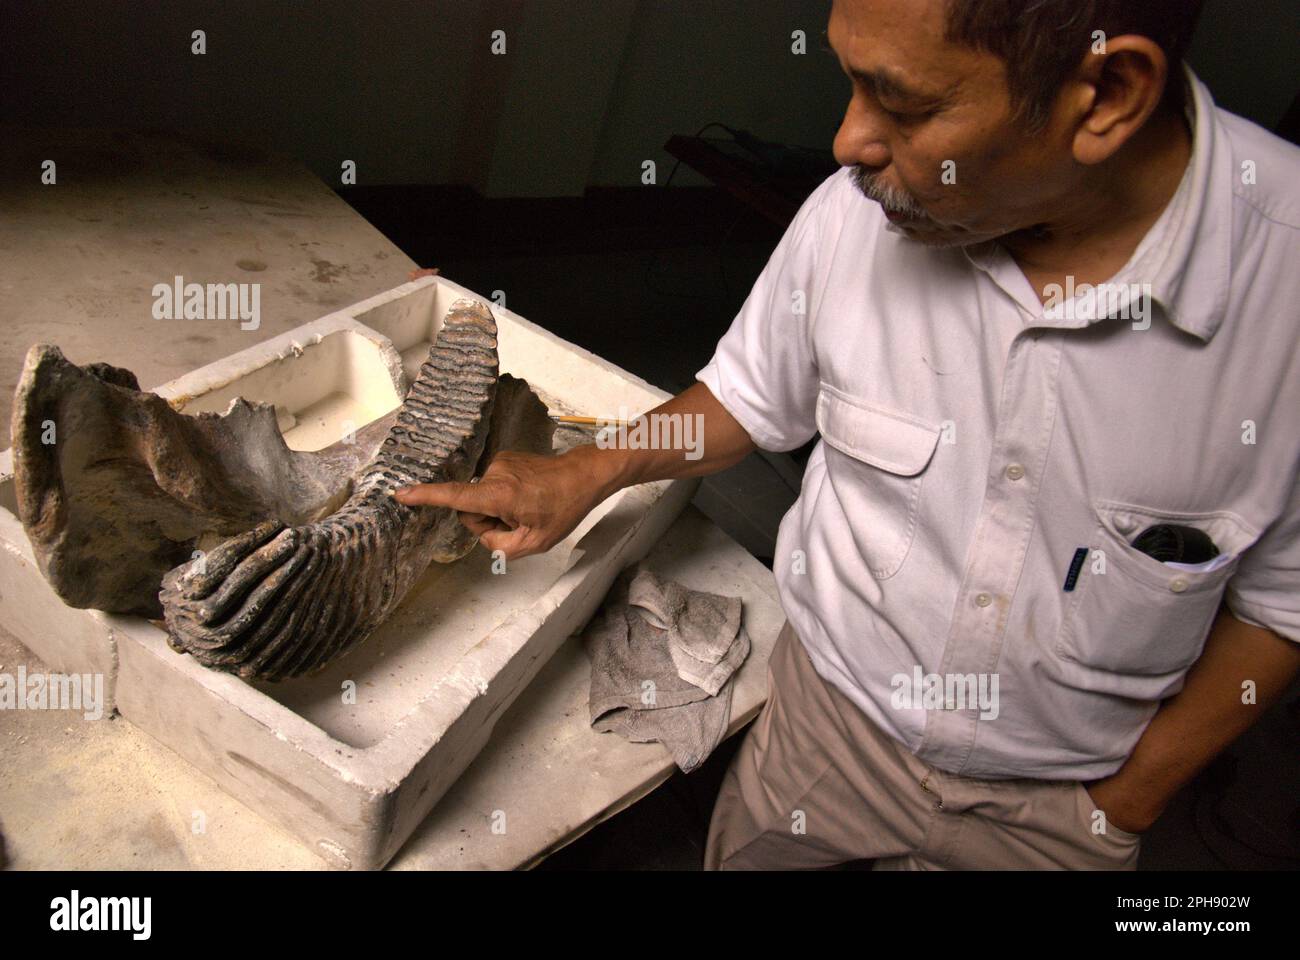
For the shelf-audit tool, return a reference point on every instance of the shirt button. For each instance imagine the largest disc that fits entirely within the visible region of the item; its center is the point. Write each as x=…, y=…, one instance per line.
x=1125, y=523
x=1015, y=471
x=1178, y=585
x=983, y=599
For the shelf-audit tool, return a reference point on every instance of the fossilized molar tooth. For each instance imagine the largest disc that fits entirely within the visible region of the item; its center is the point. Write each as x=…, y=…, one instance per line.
x=114, y=487
x=279, y=601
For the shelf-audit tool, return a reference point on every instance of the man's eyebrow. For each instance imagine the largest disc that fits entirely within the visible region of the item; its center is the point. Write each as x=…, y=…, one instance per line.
x=884, y=82
x=888, y=84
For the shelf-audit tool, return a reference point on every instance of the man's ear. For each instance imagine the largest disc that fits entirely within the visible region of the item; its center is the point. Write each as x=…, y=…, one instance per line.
x=1116, y=92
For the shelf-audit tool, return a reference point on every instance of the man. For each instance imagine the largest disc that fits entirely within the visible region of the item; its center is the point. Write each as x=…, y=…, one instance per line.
x=1066, y=325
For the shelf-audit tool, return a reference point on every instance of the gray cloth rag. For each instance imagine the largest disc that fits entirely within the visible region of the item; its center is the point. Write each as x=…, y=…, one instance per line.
x=662, y=660
x=703, y=628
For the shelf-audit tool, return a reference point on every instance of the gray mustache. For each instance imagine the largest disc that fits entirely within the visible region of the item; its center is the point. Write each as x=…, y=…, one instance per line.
x=886, y=196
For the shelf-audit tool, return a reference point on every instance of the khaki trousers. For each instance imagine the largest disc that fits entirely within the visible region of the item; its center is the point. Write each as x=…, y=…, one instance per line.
x=815, y=783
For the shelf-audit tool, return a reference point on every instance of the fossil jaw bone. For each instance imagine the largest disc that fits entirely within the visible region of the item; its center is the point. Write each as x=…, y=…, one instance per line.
x=114, y=487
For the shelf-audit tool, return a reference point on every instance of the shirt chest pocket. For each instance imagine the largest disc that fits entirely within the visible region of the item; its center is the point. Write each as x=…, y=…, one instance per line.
x=875, y=462
x=1133, y=615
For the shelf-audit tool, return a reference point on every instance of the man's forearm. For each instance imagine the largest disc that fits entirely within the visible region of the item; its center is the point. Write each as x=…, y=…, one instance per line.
x=720, y=442
x=1193, y=727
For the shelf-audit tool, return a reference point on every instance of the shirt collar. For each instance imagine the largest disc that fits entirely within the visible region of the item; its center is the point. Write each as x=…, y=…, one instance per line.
x=1191, y=278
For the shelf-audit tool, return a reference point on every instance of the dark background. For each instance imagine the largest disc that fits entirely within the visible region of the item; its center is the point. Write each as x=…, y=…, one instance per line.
x=523, y=173
x=587, y=90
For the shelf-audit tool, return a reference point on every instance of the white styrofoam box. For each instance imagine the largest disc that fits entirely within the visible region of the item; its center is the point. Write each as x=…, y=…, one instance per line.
x=68, y=640
x=352, y=759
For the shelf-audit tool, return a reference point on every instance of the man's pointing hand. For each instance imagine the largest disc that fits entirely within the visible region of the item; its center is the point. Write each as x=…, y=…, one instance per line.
x=523, y=504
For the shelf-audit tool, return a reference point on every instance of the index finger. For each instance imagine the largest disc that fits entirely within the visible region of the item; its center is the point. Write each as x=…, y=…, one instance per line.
x=466, y=497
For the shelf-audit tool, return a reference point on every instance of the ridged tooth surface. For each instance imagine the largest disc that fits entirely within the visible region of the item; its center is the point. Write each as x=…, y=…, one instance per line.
x=279, y=602
x=248, y=577
x=260, y=644
x=200, y=581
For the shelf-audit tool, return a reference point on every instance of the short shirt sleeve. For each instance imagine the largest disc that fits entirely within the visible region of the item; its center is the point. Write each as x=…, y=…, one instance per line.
x=763, y=371
x=1265, y=590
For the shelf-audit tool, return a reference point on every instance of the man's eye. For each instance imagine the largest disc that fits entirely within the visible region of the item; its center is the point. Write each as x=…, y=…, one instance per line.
x=909, y=116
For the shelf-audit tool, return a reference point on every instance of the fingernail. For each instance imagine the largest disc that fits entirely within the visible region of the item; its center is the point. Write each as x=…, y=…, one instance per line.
x=401, y=491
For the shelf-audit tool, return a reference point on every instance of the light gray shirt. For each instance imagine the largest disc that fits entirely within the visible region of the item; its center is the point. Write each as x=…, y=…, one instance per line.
x=960, y=561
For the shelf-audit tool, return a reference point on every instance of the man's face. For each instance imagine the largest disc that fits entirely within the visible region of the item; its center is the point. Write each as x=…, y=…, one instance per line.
x=929, y=129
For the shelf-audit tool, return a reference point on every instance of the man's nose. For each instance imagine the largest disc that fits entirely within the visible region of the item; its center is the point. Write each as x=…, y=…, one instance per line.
x=861, y=138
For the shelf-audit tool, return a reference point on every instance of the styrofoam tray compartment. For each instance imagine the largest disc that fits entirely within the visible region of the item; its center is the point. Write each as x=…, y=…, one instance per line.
x=353, y=779
x=560, y=372
x=324, y=379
